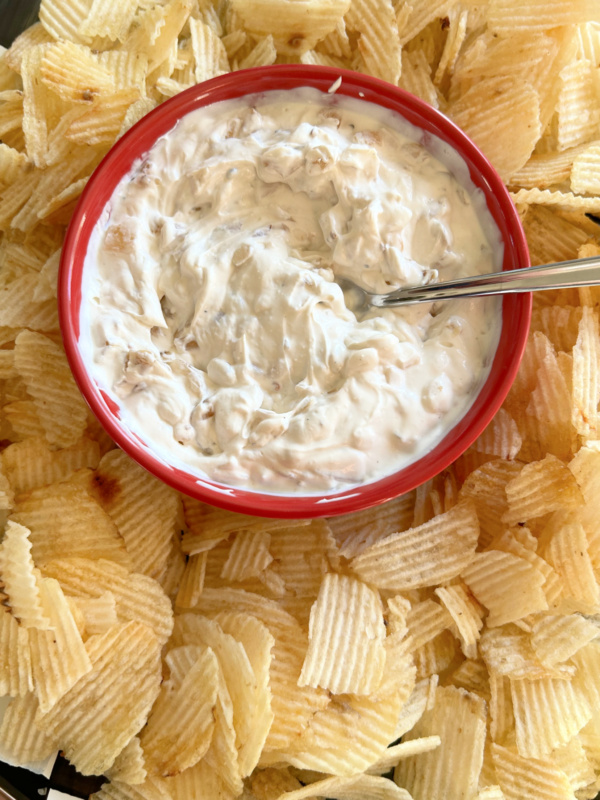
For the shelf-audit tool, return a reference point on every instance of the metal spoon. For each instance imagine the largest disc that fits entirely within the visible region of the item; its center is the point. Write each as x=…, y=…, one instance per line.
x=562, y=275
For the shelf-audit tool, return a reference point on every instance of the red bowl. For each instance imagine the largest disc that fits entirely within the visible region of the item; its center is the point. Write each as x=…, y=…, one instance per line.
x=516, y=309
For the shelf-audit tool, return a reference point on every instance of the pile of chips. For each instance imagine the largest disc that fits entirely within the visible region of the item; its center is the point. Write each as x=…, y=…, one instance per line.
x=449, y=638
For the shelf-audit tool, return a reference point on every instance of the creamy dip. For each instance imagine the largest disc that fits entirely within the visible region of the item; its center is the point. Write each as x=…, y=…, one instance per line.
x=211, y=314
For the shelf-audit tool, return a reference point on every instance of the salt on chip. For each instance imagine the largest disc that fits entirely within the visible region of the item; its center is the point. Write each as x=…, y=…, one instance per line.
x=99, y=715
x=346, y=636
x=44, y=369
x=137, y=597
x=181, y=723
x=451, y=770
x=431, y=553
x=507, y=585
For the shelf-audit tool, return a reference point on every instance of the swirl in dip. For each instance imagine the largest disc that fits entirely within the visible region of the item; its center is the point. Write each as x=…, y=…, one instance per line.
x=211, y=314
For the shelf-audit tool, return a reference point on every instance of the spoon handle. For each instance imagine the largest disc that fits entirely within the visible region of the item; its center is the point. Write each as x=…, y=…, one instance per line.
x=563, y=275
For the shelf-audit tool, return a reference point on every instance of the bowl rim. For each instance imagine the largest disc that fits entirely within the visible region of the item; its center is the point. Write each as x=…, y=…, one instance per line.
x=516, y=309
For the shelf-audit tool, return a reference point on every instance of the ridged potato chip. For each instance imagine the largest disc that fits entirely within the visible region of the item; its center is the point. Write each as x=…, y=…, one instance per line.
x=20, y=737
x=58, y=655
x=20, y=578
x=406, y=560
x=346, y=636
x=44, y=368
x=137, y=597
x=451, y=770
x=182, y=721
x=145, y=511
x=98, y=716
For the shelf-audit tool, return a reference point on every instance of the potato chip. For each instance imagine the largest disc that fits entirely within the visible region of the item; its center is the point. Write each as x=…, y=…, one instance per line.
x=585, y=171
x=74, y=73
x=137, y=597
x=451, y=770
x=548, y=713
x=31, y=464
x=248, y=556
x=378, y=40
x=557, y=638
x=209, y=52
x=240, y=680
x=358, y=787
x=24, y=421
x=35, y=127
x=129, y=765
x=567, y=552
x=350, y=735
x=465, y=611
x=396, y=753
x=181, y=723
x=20, y=738
x=502, y=720
x=555, y=198
x=405, y=560
x=102, y=121
x=527, y=777
x=60, y=407
x=540, y=487
x=425, y=621
x=151, y=789
x=296, y=28
x=547, y=169
x=508, y=651
x=192, y=581
x=20, y=578
x=15, y=658
x=486, y=488
x=549, y=237
x=145, y=510
x=508, y=586
x=510, y=15
x=345, y=640
x=268, y=784
x=13, y=165
x=485, y=123
x=111, y=19
x=99, y=715
x=58, y=655
x=222, y=753
x=63, y=518
x=578, y=108
x=355, y=532
x=99, y=613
